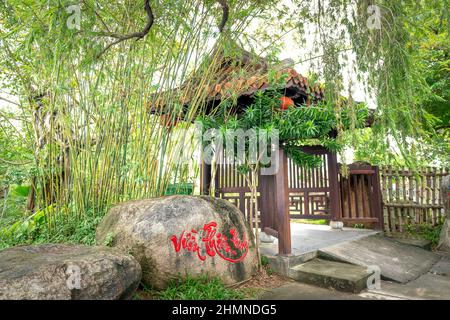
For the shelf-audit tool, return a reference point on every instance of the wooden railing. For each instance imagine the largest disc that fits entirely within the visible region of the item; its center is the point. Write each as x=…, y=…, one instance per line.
x=411, y=197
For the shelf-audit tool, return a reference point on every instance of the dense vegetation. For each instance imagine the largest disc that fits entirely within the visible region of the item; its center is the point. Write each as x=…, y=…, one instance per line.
x=76, y=135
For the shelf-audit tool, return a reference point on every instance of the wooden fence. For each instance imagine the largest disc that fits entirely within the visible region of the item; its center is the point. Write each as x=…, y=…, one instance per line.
x=411, y=198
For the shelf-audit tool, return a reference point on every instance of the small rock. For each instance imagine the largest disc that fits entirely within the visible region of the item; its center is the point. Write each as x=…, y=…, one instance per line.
x=338, y=225
x=67, y=272
x=266, y=238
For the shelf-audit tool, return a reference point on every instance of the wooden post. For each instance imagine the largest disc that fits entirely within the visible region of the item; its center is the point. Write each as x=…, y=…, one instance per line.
x=377, y=201
x=205, y=182
x=334, y=186
x=282, y=205
x=267, y=205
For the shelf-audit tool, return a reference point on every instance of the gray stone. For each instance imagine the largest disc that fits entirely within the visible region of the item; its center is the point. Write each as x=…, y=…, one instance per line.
x=266, y=238
x=428, y=286
x=331, y=274
x=337, y=225
x=421, y=243
x=64, y=272
x=282, y=264
x=302, y=291
x=182, y=235
x=442, y=268
x=398, y=262
x=444, y=240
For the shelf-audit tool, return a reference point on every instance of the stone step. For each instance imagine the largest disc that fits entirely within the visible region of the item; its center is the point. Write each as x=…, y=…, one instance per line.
x=420, y=243
x=397, y=261
x=332, y=274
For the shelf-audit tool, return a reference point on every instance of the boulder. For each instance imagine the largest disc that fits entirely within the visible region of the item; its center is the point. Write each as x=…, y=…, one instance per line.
x=182, y=235
x=64, y=272
x=444, y=240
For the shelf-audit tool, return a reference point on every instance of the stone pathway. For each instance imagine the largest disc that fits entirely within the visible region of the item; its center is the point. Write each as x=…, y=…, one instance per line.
x=434, y=284
x=398, y=261
x=308, y=238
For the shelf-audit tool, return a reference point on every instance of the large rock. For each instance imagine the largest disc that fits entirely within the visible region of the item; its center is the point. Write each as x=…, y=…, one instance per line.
x=444, y=240
x=182, y=235
x=57, y=271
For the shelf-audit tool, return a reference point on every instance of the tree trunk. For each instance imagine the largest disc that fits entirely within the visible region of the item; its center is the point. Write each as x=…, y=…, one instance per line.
x=251, y=181
x=444, y=241
x=31, y=201
x=255, y=201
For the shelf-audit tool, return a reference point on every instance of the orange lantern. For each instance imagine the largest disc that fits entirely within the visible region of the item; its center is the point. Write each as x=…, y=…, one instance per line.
x=286, y=103
x=167, y=121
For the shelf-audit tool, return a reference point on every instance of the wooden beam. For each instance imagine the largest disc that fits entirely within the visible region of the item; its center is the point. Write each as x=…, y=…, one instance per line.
x=334, y=186
x=282, y=205
x=377, y=200
x=205, y=182
x=267, y=204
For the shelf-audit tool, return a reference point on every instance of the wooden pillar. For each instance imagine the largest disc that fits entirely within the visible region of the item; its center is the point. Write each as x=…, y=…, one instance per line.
x=205, y=182
x=334, y=186
x=282, y=205
x=267, y=202
x=377, y=200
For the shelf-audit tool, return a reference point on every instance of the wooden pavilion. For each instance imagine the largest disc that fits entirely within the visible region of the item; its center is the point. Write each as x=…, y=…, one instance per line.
x=293, y=192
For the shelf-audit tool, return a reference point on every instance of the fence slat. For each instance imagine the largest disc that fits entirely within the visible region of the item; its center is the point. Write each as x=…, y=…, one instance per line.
x=411, y=197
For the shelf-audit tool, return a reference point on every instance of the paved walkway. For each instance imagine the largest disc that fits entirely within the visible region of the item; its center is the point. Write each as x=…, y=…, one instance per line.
x=434, y=284
x=310, y=237
x=397, y=261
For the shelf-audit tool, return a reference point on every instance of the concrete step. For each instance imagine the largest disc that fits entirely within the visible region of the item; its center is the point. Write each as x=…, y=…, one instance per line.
x=420, y=243
x=331, y=274
x=397, y=261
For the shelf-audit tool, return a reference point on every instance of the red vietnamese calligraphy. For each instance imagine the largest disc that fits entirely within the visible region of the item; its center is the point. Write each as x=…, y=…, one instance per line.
x=212, y=242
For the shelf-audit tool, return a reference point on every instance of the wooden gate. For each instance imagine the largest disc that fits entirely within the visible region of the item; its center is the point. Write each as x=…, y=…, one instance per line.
x=293, y=192
x=360, y=196
x=311, y=189
x=227, y=183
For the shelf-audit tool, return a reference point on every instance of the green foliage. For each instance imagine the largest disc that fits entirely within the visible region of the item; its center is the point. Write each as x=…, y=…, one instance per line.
x=180, y=188
x=15, y=153
x=199, y=288
x=309, y=221
x=264, y=261
x=411, y=85
x=51, y=225
x=299, y=125
x=81, y=131
x=425, y=231
x=109, y=240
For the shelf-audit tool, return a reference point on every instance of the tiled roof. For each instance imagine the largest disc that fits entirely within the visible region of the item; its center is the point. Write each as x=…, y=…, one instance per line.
x=237, y=76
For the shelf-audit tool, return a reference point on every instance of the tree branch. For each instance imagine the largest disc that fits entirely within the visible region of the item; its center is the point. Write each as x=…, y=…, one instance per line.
x=225, y=14
x=138, y=35
x=9, y=101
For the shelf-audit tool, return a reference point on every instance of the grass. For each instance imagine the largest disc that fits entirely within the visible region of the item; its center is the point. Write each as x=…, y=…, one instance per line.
x=308, y=221
x=425, y=231
x=195, y=288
